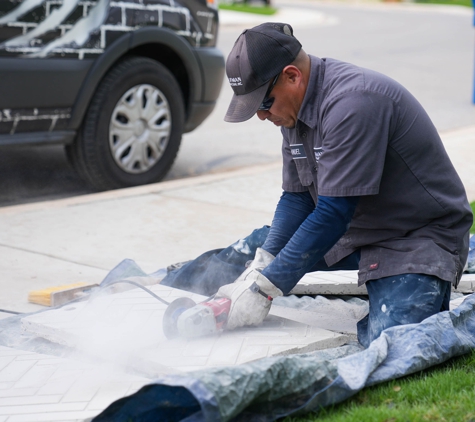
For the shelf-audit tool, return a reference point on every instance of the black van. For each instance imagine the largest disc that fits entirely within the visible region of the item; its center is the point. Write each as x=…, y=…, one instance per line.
x=116, y=82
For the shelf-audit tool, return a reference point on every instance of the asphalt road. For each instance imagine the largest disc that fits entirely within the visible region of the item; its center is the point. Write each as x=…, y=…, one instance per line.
x=430, y=50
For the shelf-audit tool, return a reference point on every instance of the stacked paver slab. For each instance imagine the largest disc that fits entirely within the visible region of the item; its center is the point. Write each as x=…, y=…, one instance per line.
x=346, y=283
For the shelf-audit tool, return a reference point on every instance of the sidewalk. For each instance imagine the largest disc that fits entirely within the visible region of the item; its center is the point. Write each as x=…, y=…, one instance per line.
x=309, y=18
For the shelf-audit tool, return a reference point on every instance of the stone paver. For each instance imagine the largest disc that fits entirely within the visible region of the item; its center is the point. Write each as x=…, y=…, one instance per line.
x=323, y=320
x=127, y=327
x=36, y=387
x=467, y=284
x=346, y=283
x=329, y=283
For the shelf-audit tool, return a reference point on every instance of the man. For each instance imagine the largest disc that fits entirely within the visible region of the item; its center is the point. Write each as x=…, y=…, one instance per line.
x=367, y=185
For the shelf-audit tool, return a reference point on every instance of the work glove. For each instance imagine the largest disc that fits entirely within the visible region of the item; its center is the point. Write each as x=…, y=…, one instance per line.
x=261, y=260
x=251, y=296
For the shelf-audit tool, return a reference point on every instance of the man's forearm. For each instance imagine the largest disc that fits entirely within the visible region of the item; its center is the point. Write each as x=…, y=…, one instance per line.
x=311, y=241
x=291, y=211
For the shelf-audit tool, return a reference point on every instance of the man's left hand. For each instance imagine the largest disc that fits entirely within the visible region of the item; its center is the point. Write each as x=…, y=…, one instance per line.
x=251, y=299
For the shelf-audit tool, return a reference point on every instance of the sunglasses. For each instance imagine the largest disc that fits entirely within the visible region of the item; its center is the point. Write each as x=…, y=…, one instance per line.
x=267, y=102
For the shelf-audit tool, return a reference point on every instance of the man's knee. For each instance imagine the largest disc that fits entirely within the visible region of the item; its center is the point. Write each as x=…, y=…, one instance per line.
x=402, y=299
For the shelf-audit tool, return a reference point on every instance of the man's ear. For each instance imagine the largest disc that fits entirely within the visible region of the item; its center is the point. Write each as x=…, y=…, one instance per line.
x=292, y=73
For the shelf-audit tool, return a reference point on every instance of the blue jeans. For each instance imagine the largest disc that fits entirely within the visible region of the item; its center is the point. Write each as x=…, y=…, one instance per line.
x=402, y=299
x=396, y=300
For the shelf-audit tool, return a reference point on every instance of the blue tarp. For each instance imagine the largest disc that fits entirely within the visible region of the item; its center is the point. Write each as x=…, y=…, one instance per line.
x=271, y=388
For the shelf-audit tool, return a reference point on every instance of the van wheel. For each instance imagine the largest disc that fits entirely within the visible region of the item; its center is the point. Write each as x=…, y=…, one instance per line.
x=133, y=127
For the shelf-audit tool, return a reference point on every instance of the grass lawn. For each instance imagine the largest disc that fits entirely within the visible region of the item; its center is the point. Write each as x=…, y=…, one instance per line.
x=452, y=2
x=269, y=10
x=442, y=393
x=260, y=10
x=472, y=230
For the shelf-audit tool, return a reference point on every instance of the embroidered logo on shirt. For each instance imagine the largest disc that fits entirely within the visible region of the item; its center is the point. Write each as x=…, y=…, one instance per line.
x=297, y=151
x=318, y=153
x=373, y=267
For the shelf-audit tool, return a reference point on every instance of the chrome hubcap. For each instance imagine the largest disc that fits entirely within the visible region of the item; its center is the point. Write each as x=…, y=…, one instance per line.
x=140, y=129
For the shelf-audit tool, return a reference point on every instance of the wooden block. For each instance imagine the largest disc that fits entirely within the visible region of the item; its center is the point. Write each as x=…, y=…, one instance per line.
x=54, y=296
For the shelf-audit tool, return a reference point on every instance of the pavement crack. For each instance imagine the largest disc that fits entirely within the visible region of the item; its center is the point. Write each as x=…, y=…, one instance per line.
x=54, y=257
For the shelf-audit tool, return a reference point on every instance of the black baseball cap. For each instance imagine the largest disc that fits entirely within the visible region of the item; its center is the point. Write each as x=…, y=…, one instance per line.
x=258, y=55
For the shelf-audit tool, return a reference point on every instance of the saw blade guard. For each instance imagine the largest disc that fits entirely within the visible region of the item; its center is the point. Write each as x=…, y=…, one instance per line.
x=172, y=314
x=198, y=321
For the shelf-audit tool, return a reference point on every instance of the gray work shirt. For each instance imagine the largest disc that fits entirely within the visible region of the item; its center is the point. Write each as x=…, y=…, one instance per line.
x=360, y=133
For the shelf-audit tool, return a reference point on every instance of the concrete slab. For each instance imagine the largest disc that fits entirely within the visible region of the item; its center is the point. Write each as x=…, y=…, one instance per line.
x=467, y=284
x=323, y=320
x=454, y=303
x=329, y=313
x=346, y=283
x=127, y=327
x=329, y=283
